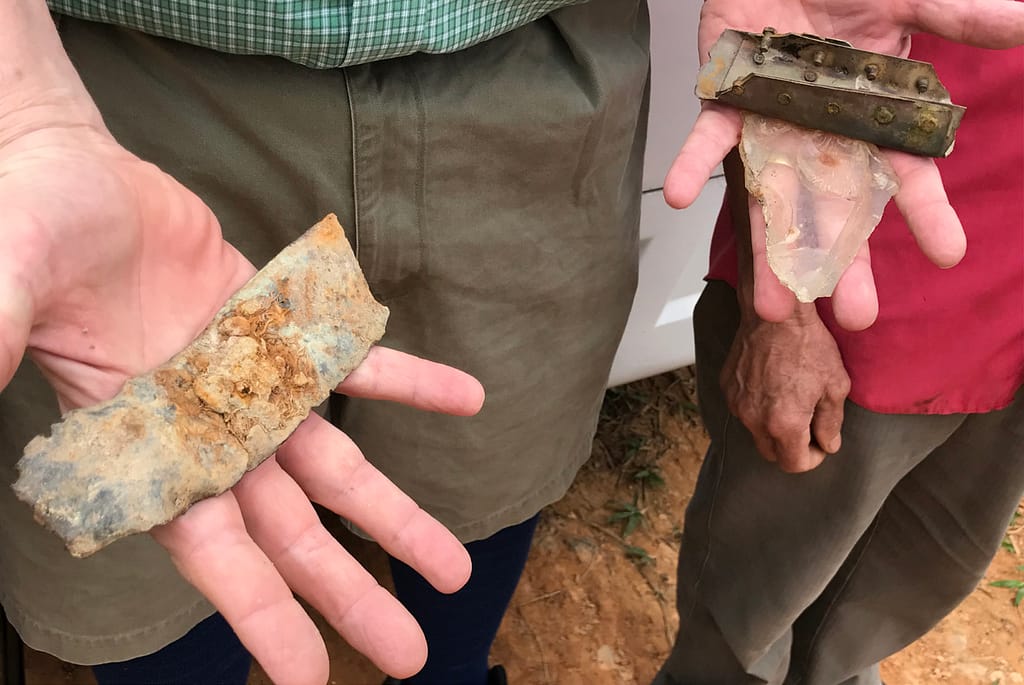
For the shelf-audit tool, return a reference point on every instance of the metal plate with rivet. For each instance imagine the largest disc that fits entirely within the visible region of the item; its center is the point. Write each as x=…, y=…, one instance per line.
x=828, y=84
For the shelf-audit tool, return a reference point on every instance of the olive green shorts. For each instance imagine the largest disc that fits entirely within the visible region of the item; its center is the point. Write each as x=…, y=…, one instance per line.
x=493, y=199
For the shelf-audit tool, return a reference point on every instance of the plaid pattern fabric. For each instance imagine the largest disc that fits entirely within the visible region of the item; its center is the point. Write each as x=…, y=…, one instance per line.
x=318, y=33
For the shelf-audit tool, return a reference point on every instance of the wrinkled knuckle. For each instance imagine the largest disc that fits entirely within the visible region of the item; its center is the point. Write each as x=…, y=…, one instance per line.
x=751, y=420
x=780, y=426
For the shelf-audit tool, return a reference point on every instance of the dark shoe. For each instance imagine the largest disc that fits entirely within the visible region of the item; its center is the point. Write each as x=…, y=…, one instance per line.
x=496, y=676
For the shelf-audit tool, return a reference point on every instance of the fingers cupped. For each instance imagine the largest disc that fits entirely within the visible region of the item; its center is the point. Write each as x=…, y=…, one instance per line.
x=923, y=203
x=332, y=471
x=786, y=440
x=388, y=374
x=827, y=422
x=285, y=525
x=212, y=550
x=714, y=134
x=799, y=455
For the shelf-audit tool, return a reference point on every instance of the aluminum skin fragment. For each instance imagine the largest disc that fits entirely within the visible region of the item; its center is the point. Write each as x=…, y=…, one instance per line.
x=827, y=84
x=192, y=427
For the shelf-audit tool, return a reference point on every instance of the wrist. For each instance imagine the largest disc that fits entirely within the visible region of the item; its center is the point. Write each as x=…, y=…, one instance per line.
x=802, y=314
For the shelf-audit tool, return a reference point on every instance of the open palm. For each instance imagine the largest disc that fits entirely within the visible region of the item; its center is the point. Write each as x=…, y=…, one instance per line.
x=109, y=268
x=870, y=25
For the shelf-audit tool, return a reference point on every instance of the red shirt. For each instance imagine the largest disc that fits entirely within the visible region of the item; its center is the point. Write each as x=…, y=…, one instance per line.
x=946, y=341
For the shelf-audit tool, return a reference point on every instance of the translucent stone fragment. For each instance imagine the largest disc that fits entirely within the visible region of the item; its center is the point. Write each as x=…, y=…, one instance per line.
x=822, y=195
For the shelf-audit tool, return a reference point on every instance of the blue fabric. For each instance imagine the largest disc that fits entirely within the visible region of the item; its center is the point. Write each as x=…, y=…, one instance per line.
x=209, y=654
x=461, y=627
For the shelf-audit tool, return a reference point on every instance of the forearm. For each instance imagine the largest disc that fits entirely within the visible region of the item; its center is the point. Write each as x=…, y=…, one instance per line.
x=38, y=84
x=784, y=379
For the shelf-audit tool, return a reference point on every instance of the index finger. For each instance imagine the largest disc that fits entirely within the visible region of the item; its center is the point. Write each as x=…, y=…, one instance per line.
x=388, y=374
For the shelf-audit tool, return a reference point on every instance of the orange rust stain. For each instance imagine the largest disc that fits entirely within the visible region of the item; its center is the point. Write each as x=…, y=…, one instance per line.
x=194, y=422
x=328, y=232
x=707, y=82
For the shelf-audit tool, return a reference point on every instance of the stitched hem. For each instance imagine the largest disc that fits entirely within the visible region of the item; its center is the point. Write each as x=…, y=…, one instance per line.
x=97, y=649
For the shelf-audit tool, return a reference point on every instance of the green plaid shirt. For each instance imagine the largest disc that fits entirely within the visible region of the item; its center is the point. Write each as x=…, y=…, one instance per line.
x=318, y=33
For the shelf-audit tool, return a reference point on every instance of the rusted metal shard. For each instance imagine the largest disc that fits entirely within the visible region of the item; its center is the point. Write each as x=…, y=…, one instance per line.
x=827, y=84
x=192, y=427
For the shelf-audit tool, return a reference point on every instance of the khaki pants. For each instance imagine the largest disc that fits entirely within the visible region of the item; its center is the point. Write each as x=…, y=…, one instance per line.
x=493, y=198
x=812, y=579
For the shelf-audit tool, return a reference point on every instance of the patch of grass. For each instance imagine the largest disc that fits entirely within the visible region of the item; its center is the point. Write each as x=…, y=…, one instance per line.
x=638, y=555
x=647, y=477
x=1017, y=585
x=632, y=417
x=629, y=515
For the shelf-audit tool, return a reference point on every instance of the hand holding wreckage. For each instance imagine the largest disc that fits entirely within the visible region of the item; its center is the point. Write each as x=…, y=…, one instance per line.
x=109, y=269
x=883, y=27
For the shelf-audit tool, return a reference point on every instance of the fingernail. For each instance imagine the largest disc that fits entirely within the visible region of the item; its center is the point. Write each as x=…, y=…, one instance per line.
x=834, y=444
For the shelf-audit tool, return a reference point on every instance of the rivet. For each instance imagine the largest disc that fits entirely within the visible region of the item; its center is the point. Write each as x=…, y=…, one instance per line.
x=923, y=84
x=832, y=108
x=784, y=98
x=758, y=58
x=738, y=90
x=884, y=115
x=810, y=76
x=819, y=58
x=871, y=71
x=766, y=42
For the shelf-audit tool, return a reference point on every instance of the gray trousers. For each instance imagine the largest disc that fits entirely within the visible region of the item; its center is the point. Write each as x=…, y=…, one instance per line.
x=812, y=579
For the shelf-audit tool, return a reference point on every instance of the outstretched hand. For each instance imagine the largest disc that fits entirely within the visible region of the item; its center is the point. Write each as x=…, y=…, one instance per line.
x=109, y=268
x=870, y=25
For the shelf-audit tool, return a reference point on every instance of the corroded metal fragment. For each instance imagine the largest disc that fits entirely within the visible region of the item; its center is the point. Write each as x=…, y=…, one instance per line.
x=192, y=427
x=827, y=84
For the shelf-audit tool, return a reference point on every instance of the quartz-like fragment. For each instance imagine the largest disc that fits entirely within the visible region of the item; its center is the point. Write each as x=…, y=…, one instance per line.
x=192, y=427
x=822, y=195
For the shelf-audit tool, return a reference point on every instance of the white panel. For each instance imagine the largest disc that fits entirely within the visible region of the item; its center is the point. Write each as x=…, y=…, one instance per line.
x=674, y=66
x=673, y=262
